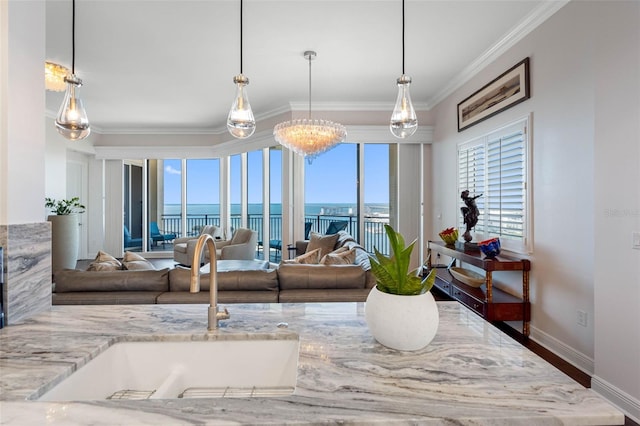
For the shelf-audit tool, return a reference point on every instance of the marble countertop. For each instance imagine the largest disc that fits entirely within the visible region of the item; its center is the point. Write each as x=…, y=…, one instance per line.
x=470, y=374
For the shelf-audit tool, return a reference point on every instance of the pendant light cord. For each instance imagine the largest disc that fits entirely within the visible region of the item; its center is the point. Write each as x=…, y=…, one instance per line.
x=73, y=38
x=240, y=36
x=402, y=37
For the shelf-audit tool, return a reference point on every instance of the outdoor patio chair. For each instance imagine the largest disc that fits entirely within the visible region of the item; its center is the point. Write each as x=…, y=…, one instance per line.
x=336, y=226
x=131, y=242
x=157, y=236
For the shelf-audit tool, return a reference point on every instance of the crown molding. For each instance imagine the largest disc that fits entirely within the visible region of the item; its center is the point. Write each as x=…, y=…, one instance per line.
x=517, y=33
x=382, y=134
x=160, y=152
x=353, y=106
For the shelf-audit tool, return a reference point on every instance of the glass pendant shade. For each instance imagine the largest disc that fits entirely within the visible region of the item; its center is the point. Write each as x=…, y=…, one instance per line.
x=72, y=121
x=404, y=122
x=240, y=122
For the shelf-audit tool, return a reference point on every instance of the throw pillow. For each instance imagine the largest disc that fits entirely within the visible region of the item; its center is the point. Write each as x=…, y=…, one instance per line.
x=104, y=262
x=325, y=243
x=133, y=261
x=309, y=258
x=342, y=256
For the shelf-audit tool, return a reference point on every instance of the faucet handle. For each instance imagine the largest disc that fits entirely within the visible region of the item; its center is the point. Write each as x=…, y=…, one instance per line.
x=223, y=315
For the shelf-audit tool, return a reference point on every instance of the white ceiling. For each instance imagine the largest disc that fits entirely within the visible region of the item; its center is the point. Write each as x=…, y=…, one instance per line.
x=167, y=65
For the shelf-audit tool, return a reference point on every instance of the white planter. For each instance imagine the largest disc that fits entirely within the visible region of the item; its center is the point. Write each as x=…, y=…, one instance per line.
x=405, y=323
x=65, y=235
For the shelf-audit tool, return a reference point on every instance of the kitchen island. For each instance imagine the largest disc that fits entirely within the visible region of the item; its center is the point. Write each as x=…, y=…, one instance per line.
x=471, y=373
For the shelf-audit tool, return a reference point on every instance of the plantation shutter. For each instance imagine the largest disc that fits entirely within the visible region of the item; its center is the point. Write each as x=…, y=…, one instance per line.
x=471, y=175
x=495, y=165
x=505, y=188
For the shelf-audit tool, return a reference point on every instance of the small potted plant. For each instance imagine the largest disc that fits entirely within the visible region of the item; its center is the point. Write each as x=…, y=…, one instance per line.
x=64, y=207
x=65, y=232
x=401, y=312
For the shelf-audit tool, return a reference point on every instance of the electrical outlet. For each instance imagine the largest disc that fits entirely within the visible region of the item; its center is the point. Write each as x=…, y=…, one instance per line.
x=582, y=318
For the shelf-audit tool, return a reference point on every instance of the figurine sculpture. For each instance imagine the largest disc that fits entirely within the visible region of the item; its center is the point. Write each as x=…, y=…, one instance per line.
x=470, y=213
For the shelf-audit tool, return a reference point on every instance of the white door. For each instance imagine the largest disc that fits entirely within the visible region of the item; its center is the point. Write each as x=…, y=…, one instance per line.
x=76, y=187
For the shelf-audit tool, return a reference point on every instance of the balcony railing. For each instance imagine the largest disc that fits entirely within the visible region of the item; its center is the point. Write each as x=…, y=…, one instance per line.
x=374, y=235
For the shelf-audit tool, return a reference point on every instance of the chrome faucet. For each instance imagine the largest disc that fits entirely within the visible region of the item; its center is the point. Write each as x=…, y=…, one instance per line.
x=214, y=316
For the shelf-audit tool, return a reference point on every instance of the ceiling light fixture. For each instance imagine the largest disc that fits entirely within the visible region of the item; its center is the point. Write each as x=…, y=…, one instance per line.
x=404, y=122
x=309, y=137
x=240, y=122
x=54, y=75
x=72, y=121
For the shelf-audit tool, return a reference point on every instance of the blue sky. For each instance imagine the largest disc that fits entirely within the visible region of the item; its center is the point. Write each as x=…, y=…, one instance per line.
x=331, y=178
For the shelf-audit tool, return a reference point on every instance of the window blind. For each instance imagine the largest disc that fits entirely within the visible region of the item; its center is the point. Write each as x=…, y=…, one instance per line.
x=495, y=165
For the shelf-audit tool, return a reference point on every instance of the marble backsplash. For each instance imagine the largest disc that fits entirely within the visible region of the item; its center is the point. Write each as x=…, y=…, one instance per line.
x=27, y=270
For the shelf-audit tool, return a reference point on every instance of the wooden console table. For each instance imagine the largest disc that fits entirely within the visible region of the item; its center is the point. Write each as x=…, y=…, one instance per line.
x=489, y=302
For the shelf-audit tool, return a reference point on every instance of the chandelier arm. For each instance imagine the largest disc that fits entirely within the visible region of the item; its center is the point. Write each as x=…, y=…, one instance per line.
x=73, y=37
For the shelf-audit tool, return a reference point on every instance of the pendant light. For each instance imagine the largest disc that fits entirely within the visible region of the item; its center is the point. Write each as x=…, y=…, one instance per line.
x=309, y=137
x=404, y=122
x=240, y=121
x=72, y=121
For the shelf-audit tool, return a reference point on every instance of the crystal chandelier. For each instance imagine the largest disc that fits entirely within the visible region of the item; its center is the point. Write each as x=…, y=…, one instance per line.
x=72, y=121
x=309, y=137
x=240, y=121
x=404, y=122
x=54, y=75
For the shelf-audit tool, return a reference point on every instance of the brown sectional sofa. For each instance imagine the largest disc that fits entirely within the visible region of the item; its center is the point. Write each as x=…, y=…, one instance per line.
x=238, y=282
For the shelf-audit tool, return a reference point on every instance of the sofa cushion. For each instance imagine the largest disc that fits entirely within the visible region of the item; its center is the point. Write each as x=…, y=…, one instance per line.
x=132, y=261
x=309, y=258
x=326, y=243
x=318, y=295
x=341, y=256
x=72, y=280
x=104, y=262
x=292, y=276
x=248, y=296
x=106, y=297
x=180, y=280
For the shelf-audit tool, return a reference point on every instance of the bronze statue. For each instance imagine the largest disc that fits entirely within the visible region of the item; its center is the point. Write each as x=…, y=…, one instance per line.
x=470, y=213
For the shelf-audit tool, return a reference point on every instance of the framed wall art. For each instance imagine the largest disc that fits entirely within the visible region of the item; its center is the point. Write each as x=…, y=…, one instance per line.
x=508, y=89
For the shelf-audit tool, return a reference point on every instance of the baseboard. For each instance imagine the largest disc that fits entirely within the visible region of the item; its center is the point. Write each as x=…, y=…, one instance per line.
x=569, y=354
x=625, y=402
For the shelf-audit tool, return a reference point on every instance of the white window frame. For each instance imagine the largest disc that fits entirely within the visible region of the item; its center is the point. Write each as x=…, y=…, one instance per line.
x=472, y=174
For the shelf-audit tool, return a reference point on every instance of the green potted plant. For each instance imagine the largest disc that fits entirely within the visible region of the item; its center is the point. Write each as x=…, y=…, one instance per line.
x=65, y=231
x=401, y=312
x=64, y=207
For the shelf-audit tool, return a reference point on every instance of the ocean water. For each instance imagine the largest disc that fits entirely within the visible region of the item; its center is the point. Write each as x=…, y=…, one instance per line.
x=338, y=209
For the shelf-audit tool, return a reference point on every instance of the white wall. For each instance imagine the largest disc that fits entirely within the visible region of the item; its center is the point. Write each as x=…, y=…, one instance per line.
x=576, y=59
x=22, y=138
x=617, y=203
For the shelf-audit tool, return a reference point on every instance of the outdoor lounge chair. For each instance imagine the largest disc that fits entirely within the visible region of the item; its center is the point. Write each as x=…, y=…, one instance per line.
x=157, y=236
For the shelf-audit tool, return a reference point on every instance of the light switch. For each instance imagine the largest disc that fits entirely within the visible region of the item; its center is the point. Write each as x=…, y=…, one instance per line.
x=636, y=240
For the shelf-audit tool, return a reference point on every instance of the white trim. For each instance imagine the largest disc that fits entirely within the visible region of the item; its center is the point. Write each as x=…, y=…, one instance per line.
x=564, y=351
x=382, y=134
x=263, y=139
x=351, y=106
x=622, y=400
x=517, y=33
x=159, y=152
